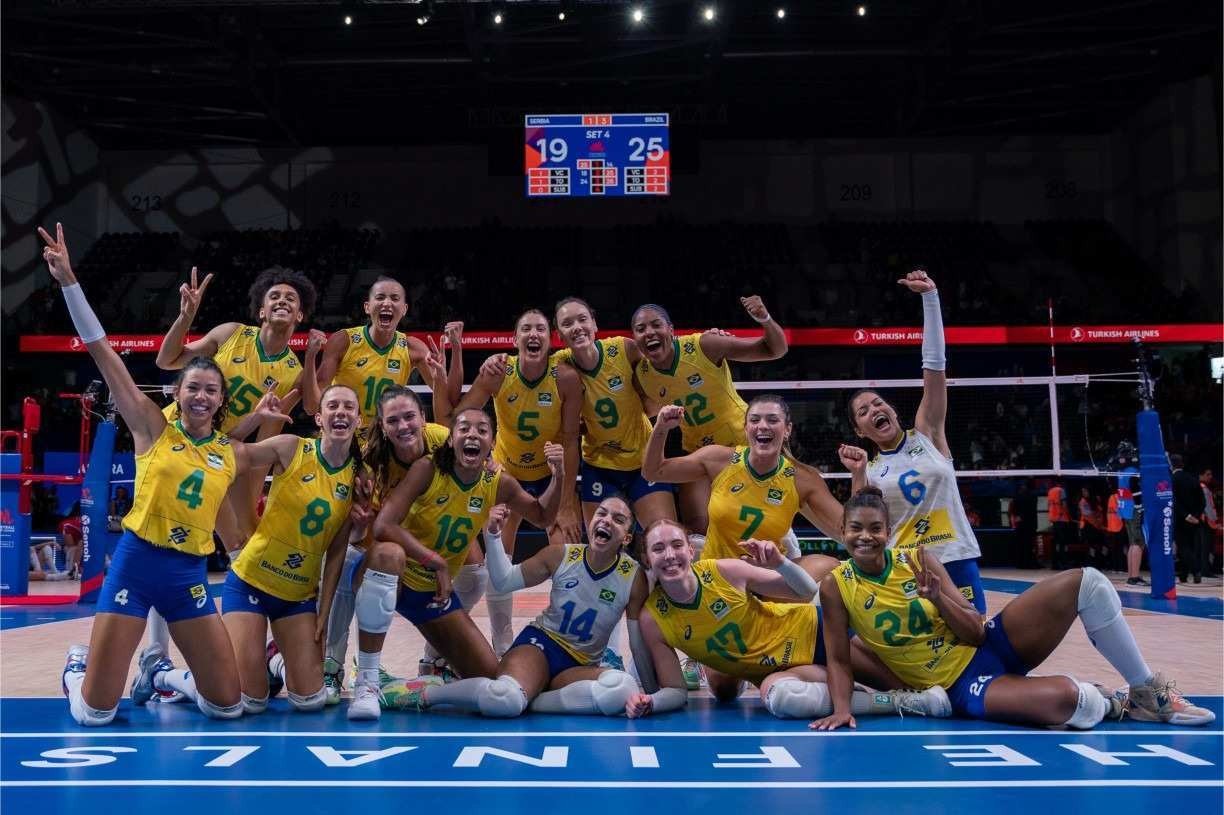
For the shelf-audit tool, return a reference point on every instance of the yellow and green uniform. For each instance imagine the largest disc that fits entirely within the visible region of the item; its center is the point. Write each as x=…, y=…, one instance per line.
x=249, y=372
x=370, y=369
x=446, y=518
x=905, y=630
x=733, y=631
x=746, y=504
x=615, y=425
x=713, y=411
x=528, y=414
x=306, y=507
x=435, y=436
x=180, y=483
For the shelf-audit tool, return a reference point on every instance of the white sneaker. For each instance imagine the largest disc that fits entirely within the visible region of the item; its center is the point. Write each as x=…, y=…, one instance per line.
x=367, y=702
x=931, y=702
x=1160, y=701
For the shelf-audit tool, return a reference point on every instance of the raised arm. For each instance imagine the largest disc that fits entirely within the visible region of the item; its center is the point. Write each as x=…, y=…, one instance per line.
x=142, y=416
x=817, y=500
x=933, y=408
x=506, y=577
x=454, y=375
x=785, y=581
x=174, y=354
x=482, y=390
x=325, y=372
x=770, y=345
x=539, y=512
x=837, y=656
x=277, y=450
x=702, y=464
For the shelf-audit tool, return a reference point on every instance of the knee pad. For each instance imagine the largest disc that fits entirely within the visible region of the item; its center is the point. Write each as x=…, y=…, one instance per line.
x=1090, y=707
x=309, y=703
x=612, y=690
x=87, y=716
x=502, y=698
x=217, y=711
x=470, y=584
x=796, y=699
x=376, y=602
x=790, y=546
x=1098, y=604
x=252, y=706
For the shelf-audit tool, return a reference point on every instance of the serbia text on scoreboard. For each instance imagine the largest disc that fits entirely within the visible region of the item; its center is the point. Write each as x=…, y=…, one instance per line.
x=580, y=154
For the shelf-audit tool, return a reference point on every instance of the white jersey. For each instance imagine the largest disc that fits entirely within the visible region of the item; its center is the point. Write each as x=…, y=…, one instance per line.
x=584, y=607
x=924, y=504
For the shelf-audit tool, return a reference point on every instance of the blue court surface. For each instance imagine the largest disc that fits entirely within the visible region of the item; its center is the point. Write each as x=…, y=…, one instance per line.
x=731, y=758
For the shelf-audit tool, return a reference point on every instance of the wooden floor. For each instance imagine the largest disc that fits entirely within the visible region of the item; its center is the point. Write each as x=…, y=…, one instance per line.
x=1188, y=648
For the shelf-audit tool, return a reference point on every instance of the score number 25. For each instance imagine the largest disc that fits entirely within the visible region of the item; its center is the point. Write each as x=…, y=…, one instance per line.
x=556, y=150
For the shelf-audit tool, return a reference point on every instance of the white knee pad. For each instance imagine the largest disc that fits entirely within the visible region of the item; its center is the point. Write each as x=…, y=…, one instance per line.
x=612, y=690
x=251, y=705
x=217, y=711
x=1091, y=707
x=309, y=703
x=503, y=698
x=376, y=602
x=470, y=584
x=87, y=716
x=796, y=699
x=1098, y=604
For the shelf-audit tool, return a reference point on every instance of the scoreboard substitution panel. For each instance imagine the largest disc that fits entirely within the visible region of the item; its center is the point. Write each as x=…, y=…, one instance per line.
x=574, y=155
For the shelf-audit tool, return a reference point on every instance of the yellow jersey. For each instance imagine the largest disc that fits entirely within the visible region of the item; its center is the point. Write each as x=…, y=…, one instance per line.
x=180, y=483
x=713, y=411
x=615, y=427
x=306, y=507
x=435, y=436
x=528, y=414
x=902, y=628
x=733, y=631
x=746, y=504
x=446, y=518
x=249, y=372
x=370, y=369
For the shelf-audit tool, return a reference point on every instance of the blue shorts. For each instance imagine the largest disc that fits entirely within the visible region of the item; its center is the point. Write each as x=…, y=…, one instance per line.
x=536, y=488
x=418, y=607
x=143, y=576
x=558, y=658
x=968, y=579
x=995, y=657
x=599, y=483
x=239, y=595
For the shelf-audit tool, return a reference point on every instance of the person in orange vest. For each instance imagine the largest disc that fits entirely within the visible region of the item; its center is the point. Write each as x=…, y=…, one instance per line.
x=1061, y=531
x=1115, y=531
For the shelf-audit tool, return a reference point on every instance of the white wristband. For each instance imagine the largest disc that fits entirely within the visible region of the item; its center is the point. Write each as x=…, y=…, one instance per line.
x=763, y=320
x=83, y=318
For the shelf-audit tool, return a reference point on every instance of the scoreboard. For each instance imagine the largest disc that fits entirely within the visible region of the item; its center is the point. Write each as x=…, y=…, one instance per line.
x=597, y=154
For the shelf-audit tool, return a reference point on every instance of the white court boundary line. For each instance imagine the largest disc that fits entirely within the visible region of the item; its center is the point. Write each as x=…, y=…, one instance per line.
x=458, y=783
x=562, y=734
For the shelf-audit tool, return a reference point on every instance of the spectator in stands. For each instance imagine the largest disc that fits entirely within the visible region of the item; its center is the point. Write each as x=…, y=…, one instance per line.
x=1211, y=523
x=1090, y=527
x=119, y=506
x=1188, y=511
x=72, y=541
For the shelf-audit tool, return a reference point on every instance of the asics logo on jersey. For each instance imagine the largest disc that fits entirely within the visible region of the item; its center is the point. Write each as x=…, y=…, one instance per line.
x=238, y=360
x=884, y=471
x=688, y=632
x=662, y=391
x=361, y=363
x=295, y=560
x=736, y=487
x=870, y=602
x=179, y=535
x=570, y=584
x=306, y=479
x=178, y=448
x=442, y=499
x=512, y=398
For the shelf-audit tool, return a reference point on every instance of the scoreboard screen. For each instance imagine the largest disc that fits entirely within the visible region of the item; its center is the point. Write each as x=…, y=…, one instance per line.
x=597, y=154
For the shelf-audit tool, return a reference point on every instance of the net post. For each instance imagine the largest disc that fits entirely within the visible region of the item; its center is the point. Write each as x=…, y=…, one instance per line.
x=95, y=500
x=1055, y=437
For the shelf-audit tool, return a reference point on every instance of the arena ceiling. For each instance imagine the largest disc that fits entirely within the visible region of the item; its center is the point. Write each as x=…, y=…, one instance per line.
x=180, y=73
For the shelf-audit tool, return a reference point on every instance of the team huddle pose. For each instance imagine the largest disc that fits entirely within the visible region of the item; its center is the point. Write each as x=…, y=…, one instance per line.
x=384, y=512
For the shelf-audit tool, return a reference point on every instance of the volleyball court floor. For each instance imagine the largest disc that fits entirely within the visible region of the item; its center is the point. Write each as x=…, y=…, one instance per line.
x=729, y=757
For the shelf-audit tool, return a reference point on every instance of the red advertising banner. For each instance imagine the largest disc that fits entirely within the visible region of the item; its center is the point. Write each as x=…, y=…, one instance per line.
x=862, y=337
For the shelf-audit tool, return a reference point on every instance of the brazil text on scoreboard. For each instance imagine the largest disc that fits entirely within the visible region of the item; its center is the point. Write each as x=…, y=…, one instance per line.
x=597, y=154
